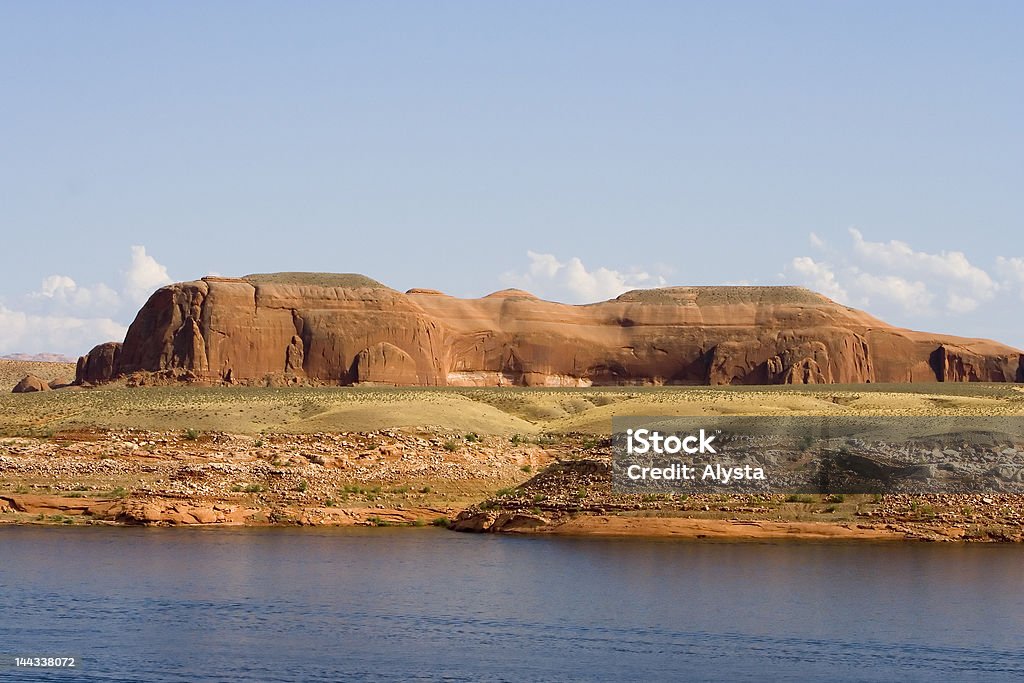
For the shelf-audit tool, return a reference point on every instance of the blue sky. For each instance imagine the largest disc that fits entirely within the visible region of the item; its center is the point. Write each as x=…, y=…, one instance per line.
x=870, y=150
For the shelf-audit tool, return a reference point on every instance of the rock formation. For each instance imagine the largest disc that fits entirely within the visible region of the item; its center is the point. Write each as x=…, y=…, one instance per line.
x=30, y=383
x=385, y=363
x=348, y=329
x=100, y=364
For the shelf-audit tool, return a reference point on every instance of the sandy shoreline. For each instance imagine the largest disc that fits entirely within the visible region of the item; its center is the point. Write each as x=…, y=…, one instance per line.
x=38, y=509
x=685, y=528
x=51, y=510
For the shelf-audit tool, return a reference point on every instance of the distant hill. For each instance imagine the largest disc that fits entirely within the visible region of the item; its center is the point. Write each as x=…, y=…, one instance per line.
x=39, y=358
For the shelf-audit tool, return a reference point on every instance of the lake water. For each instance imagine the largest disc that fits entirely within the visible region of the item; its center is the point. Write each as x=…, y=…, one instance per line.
x=425, y=604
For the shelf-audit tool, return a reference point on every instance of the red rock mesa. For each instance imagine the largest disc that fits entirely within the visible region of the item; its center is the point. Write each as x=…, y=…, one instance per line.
x=349, y=329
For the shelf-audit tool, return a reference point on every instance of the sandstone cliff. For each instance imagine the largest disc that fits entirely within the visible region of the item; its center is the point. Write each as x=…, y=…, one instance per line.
x=348, y=329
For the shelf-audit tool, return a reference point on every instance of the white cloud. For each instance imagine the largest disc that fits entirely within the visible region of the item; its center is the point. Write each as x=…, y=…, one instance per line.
x=910, y=296
x=819, y=277
x=893, y=275
x=966, y=285
x=63, y=316
x=573, y=282
x=60, y=292
x=1011, y=270
x=543, y=265
x=961, y=304
x=56, y=285
x=23, y=332
x=144, y=276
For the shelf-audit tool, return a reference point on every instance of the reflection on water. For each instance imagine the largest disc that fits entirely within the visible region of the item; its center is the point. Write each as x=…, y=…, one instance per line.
x=315, y=605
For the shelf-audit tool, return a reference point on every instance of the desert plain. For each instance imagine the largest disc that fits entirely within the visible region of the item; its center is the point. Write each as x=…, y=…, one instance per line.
x=510, y=459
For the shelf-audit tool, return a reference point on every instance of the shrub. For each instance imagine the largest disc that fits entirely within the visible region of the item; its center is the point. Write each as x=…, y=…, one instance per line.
x=191, y=434
x=442, y=522
x=451, y=445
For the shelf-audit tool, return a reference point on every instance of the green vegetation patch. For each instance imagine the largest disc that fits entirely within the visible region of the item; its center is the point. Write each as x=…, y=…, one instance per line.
x=347, y=280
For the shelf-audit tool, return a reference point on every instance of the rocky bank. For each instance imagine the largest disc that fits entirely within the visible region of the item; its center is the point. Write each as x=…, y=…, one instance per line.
x=554, y=485
x=575, y=497
x=185, y=477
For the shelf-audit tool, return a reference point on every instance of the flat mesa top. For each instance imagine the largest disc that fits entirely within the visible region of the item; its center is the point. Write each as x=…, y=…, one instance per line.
x=725, y=294
x=315, y=279
x=699, y=295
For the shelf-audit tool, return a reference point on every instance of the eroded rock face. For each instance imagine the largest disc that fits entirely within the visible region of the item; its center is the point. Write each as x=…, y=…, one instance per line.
x=348, y=329
x=99, y=365
x=295, y=356
x=960, y=363
x=385, y=363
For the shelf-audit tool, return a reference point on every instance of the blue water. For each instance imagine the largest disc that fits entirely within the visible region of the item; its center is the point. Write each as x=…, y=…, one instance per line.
x=424, y=604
